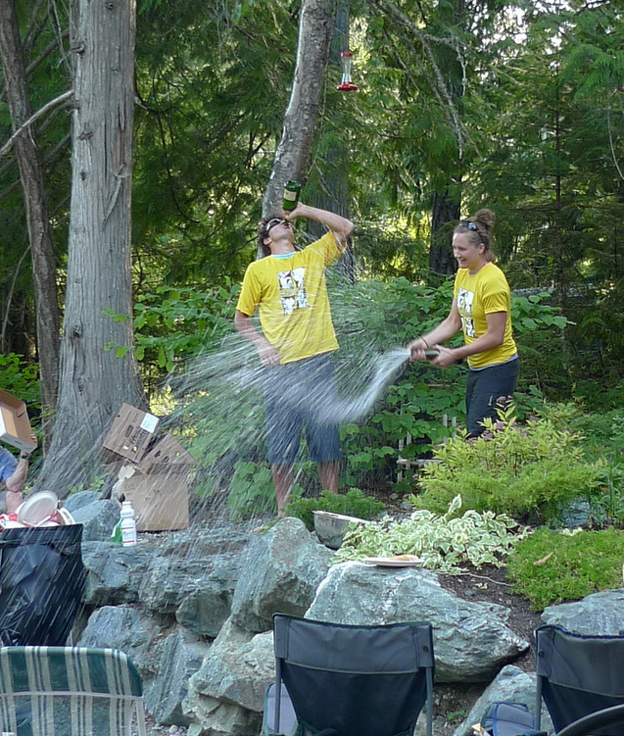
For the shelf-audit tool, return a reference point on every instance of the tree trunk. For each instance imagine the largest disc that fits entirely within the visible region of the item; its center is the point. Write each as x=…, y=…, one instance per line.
x=94, y=380
x=292, y=157
x=445, y=213
x=31, y=174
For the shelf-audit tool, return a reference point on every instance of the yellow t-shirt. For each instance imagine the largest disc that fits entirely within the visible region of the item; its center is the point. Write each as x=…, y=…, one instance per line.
x=291, y=296
x=477, y=295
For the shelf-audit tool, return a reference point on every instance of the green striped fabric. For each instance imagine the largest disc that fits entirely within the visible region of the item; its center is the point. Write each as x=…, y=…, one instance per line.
x=69, y=691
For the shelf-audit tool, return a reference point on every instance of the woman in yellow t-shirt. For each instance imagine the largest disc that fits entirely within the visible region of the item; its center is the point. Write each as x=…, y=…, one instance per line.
x=482, y=309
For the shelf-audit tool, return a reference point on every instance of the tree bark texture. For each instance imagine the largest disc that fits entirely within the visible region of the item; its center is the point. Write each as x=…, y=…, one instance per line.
x=94, y=381
x=445, y=214
x=292, y=157
x=31, y=174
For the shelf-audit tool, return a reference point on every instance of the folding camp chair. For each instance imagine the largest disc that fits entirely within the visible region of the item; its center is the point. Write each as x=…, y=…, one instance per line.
x=600, y=721
x=578, y=675
x=69, y=691
x=353, y=680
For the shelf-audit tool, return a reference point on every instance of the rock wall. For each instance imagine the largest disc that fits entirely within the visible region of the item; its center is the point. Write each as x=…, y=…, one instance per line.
x=193, y=609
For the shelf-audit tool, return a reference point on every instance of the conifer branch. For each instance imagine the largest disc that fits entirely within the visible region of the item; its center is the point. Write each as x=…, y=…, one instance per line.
x=34, y=117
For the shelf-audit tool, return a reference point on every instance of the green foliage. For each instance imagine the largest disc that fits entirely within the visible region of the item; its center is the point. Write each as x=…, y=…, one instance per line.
x=443, y=542
x=20, y=379
x=251, y=491
x=373, y=316
x=351, y=503
x=550, y=567
x=174, y=325
x=529, y=470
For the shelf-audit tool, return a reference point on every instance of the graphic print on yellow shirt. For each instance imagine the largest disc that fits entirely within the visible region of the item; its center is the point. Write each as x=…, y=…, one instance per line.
x=478, y=295
x=290, y=295
x=292, y=289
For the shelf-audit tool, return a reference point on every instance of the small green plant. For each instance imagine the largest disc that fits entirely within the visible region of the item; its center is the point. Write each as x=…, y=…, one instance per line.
x=550, y=566
x=455, y=716
x=533, y=470
x=443, y=542
x=251, y=490
x=351, y=503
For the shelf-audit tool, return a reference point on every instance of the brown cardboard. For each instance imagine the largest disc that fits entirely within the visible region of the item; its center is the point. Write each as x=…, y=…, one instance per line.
x=131, y=433
x=14, y=423
x=165, y=453
x=160, y=499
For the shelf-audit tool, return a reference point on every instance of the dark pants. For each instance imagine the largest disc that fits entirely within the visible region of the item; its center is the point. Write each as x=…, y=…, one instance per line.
x=487, y=390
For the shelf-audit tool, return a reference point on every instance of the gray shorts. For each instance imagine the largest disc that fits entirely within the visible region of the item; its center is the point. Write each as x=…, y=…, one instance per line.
x=294, y=396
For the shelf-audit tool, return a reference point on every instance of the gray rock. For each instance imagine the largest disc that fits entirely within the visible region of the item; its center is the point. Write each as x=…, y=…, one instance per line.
x=511, y=685
x=98, y=520
x=120, y=627
x=280, y=573
x=215, y=718
x=179, y=657
x=226, y=696
x=79, y=500
x=598, y=614
x=223, y=537
x=204, y=611
x=471, y=640
x=238, y=668
x=115, y=572
x=208, y=581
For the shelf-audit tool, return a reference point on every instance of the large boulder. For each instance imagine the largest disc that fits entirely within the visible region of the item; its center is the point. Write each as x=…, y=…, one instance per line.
x=98, y=519
x=598, y=614
x=125, y=628
x=471, y=640
x=511, y=685
x=235, y=673
x=115, y=573
x=210, y=581
x=179, y=657
x=280, y=572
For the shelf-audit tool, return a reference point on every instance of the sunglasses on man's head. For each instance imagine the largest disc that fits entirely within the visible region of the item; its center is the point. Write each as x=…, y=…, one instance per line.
x=273, y=223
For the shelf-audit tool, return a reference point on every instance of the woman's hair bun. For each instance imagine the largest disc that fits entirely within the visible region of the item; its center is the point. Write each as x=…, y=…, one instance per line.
x=485, y=217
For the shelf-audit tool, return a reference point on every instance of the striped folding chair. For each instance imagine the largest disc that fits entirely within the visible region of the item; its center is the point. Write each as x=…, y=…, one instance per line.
x=69, y=691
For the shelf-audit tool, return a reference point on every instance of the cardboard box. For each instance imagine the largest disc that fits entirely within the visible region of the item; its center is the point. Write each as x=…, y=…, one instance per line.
x=131, y=433
x=165, y=453
x=14, y=423
x=160, y=499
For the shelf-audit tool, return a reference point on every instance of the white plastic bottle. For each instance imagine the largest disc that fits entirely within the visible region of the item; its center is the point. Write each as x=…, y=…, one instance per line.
x=128, y=525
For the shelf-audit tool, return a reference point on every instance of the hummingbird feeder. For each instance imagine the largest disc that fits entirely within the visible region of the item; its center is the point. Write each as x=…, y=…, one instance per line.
x=346, y=85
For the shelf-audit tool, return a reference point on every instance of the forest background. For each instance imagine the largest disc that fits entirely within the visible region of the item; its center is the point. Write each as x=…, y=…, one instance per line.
x=516, y=106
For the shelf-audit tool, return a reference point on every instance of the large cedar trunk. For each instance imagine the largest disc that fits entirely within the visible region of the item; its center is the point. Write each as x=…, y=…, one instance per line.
x=94, y=380
x=31, y=174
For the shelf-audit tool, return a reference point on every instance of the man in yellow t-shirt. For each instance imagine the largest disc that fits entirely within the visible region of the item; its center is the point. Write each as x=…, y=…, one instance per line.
x=287, y=287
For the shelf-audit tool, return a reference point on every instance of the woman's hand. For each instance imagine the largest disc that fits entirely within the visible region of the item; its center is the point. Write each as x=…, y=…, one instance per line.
x=446, y=357
x=417, y=349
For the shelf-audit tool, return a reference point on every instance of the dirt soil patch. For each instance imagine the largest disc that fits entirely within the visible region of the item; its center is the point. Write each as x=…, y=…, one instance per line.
x=452, y=702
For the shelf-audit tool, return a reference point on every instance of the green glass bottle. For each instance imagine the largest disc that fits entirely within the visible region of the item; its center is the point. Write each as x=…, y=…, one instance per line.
x=291, y=195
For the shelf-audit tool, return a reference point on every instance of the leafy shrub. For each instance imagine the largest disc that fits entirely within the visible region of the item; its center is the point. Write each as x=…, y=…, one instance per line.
x=442, y=542
x=554, y=566
x=533, y=469
x=20, y=379
x=351, y=503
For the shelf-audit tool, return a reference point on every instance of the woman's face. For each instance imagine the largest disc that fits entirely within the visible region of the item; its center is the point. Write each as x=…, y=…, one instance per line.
x=467, y=254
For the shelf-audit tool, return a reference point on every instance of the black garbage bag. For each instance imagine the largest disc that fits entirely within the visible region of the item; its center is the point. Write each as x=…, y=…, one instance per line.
x=42, y=578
